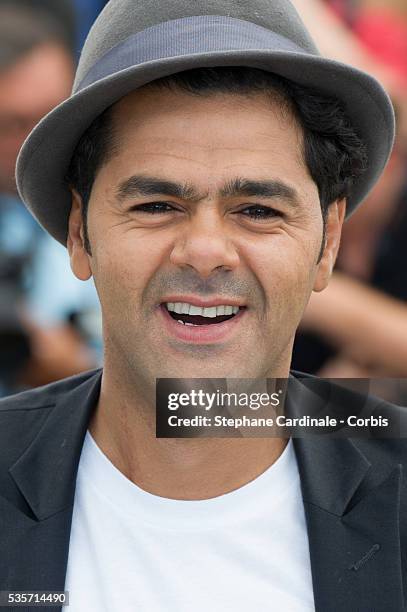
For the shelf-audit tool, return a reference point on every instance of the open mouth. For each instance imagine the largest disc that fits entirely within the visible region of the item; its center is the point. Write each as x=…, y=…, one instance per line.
x=189, y=314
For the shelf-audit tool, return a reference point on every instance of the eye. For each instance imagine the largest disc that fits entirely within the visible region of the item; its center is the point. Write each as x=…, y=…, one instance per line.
x=260, y=213
x=153, y=208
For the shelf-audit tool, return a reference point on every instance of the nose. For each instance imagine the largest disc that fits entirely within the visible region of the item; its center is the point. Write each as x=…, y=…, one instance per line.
x=205, y=244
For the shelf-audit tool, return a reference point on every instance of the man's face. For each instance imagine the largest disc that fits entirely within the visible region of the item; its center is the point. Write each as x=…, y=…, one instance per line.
x=235, y=222
x=28, y=91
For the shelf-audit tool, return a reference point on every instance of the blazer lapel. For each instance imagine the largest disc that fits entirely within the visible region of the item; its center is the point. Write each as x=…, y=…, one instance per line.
x=36, y=519
x=352, y=512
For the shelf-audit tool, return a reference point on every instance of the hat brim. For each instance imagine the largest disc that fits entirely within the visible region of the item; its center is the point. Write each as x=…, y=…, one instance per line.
x=45, y=156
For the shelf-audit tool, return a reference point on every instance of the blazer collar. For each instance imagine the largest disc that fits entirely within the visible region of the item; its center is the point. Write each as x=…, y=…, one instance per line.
x=46, y=472
x=352, y=511
x=353, y=528
x=351, y=507
x=331, y=469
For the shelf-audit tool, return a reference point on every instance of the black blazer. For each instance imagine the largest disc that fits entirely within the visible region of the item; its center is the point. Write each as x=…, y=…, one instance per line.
x=354, y=494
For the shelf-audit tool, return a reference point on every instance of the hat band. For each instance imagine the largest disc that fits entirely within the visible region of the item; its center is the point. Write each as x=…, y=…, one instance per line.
x=188, y=36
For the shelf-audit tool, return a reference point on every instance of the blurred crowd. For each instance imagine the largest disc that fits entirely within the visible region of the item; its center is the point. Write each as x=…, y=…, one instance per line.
x=50, y=323
x=357, y=327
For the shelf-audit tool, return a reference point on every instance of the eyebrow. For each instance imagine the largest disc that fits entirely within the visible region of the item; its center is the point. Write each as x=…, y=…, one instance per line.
x=140, y=185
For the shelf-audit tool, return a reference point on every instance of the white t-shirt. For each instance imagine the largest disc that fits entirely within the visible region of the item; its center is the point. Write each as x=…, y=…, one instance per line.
x=134, y=551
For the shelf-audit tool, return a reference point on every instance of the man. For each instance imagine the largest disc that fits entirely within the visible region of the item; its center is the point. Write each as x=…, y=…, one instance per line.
x=197, y=173
x=36, y=74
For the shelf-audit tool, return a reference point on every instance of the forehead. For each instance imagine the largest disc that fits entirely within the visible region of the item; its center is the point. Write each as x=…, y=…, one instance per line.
x=158, y=105
x=208, y=136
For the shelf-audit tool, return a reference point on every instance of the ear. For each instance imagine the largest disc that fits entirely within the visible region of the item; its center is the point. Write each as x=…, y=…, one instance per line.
x=333, y=230
x=79, y=257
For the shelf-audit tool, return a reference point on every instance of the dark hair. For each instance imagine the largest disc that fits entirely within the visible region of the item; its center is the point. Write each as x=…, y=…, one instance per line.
x=333, y=152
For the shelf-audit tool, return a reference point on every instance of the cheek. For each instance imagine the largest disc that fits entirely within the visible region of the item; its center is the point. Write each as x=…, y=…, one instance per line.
x=122, y=270
x=285, y=268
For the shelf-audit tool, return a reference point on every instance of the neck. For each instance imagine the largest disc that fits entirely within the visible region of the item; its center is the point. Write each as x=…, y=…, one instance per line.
x=123, y=426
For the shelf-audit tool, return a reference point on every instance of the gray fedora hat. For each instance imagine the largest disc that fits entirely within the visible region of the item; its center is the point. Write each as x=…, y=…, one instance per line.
x=135, y=42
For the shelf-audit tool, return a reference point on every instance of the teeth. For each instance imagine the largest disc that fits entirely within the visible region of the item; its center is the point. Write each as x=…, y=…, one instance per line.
x=176, y=307
x=195, y=310
x=211, y=312
x=185, y=323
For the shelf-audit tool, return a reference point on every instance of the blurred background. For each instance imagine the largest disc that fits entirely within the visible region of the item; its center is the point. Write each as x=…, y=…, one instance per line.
x=50, y=324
